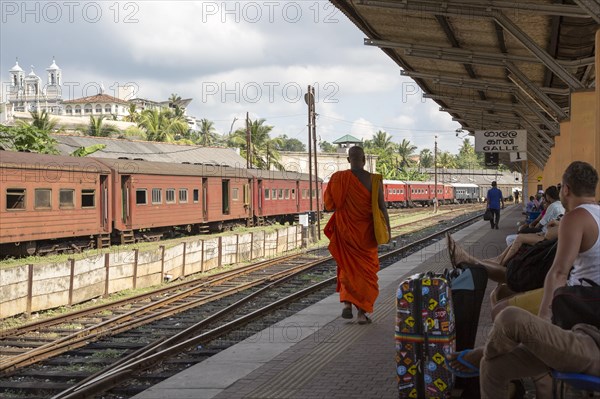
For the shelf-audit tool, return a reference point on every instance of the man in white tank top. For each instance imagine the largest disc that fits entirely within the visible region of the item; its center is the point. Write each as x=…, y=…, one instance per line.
x=524, y=345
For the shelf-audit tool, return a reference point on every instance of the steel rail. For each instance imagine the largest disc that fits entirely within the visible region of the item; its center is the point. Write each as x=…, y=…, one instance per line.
x=157, y=352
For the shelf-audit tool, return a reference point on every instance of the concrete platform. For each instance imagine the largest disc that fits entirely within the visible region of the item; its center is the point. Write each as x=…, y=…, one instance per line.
x=316, y=353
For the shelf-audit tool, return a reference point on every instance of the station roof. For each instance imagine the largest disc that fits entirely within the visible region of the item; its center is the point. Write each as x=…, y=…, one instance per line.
x=151, y=151
x=491, y=64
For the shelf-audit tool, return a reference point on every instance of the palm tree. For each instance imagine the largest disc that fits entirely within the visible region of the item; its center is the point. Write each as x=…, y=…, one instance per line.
x=97, y=128
x=162, y=125
x=425, y=158
x=382, y=141
x=405, y=151
x=263, y=148
x=133, y=114
x=41, y=121
x=207, y=133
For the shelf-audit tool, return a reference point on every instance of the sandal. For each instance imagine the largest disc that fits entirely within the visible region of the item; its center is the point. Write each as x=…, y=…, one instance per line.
x=365, y=321
x=347, y=313
x=473, y=372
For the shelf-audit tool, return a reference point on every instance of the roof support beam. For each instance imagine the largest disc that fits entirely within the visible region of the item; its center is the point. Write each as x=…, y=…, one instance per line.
x=539, y=52
x=479, y=84
x=592, y=7
x=559, y=113
x=424, y=5
x=539, y=160
x=551, y=125
x=541, y=133
x=453, y=9
x=490, y=105
x=464, y=56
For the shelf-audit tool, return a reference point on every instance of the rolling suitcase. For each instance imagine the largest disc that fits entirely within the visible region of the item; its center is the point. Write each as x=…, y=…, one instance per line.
x=424, y=335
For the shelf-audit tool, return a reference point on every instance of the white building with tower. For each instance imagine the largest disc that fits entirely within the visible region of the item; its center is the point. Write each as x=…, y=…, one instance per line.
x=27, y=93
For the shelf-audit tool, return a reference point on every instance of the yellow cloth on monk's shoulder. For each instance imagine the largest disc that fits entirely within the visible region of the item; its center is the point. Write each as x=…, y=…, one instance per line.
x=352, y=239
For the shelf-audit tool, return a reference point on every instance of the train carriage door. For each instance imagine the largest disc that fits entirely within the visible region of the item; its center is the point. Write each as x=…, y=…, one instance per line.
x=259, y=195
x=205, y=198
x=126, y=200
x=296, y=195
x=225, y=197
x=104, y=203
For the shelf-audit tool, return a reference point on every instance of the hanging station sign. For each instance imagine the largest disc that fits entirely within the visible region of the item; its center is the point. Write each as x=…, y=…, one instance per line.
x=501, y=140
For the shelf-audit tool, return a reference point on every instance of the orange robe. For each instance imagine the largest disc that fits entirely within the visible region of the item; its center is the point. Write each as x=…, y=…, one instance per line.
x=352, y=240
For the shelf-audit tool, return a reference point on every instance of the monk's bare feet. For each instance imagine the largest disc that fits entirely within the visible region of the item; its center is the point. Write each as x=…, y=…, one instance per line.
x=362, y=318
x=347, y=311
x=471, y=357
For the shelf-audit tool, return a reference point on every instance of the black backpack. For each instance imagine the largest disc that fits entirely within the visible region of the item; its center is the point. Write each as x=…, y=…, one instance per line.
x=527, y=270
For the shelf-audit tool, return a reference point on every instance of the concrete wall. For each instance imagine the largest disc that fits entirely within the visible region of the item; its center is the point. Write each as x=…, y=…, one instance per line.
x=32, y=288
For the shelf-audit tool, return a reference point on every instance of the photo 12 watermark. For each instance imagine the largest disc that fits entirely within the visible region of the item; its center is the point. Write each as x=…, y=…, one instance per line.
x=53, y=12
x=269, y=11
x=270, y=92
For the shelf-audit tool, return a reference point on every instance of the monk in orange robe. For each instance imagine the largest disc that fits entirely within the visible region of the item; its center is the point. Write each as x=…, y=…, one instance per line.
x=352, y=239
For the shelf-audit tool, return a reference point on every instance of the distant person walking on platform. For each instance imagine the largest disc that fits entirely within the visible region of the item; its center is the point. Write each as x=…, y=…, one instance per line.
x=494, y=198
x=352, y=238
x=516, y=196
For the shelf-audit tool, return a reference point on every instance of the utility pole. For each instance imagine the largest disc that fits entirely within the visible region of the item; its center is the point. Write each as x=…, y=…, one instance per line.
x=314, y=132
x=248, y=143
x=308, y=100
x=435, y=204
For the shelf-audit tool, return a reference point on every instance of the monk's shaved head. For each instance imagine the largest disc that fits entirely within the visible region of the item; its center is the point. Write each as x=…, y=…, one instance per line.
x=356, y=152
x=356, y=157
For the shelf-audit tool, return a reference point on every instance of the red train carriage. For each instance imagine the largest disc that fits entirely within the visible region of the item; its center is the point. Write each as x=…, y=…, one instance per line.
x=282, y=196
x=152, y=198
x=445, y=192
x=62, y=200
x=394, y=193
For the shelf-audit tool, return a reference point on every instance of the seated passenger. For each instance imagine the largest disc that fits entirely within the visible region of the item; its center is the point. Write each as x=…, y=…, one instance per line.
x=530, y=206
x=554, y=209
x=525, y=345
x=496, y=267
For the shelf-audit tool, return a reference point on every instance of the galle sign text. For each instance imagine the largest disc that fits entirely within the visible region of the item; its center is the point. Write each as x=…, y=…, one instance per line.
x=501, y=140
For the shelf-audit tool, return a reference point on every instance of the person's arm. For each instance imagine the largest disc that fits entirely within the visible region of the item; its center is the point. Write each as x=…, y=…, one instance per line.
x=327, y=196
x=570, y=235
x=502, y=200
x=383, y=208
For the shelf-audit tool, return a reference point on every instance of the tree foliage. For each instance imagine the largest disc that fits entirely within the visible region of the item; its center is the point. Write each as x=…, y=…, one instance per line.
x=326, y=146
x=98, y=128
x=162, y=125
x=291, y=144
x=24, y=137
x=263, y=148
x=85, y=151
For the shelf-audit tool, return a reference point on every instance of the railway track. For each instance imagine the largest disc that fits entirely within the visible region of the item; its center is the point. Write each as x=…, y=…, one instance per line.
x=197, y=313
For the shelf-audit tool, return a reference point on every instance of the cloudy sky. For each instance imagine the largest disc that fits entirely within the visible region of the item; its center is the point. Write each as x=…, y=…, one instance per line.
x=231, y=58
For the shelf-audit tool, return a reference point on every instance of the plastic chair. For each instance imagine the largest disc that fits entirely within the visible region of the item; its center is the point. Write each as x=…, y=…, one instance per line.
x=582, y=382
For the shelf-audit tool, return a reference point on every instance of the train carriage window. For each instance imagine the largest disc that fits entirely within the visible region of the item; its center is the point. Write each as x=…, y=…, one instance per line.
x=293, y=193
x=157, y=196
x=43, y=198
x=196, y=195
x=169, y=195
x=234, y=194
x=66, y=198
x=15, y=198
x=88, y=198
x=281, y=193
x=183, y=195
x=141, y=197
x=267, y=192
x=287, y=193
x=274, y=193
